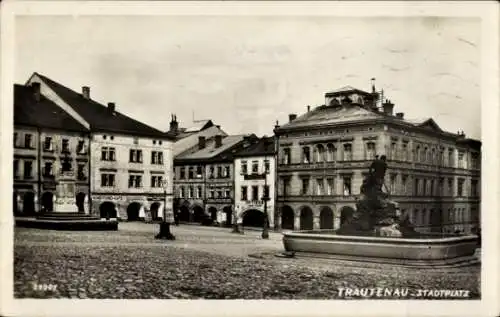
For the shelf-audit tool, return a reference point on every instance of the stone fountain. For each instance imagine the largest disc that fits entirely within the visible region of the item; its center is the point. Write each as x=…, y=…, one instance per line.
x=378, y=232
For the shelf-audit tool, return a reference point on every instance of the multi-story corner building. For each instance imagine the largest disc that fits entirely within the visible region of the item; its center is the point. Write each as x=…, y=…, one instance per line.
x=131, y=162
x=44, y=136
x=324, y=155
x=204, y=178
x=254, y=183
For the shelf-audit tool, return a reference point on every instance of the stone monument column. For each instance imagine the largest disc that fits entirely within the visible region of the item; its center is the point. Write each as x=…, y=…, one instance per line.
x=65, y=190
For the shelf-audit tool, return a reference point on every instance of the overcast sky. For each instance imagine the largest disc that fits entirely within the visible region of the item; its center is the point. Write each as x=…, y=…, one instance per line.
x=245, y=73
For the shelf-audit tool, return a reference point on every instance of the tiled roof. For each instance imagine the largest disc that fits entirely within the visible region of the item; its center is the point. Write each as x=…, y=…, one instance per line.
x=186, y=143
x=43, y=113
x=346, y=89
x=210, y=151
x=199, y=125
x=99, y=116
x=265, y=146
x=331, y=115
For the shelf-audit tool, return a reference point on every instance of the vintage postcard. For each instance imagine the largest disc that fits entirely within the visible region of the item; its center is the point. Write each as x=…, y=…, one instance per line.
x=249, y=158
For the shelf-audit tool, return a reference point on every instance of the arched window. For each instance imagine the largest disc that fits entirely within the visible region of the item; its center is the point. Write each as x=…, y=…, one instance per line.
x=331, y=152
x=370, y=150
x=306, y=155
x=320, y=153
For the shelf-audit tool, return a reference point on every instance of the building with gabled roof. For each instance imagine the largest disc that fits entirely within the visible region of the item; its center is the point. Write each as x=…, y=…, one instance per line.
x=255, y=183
x=204, y=177
x=45, y=136
x=131, y=162
x=324, y=154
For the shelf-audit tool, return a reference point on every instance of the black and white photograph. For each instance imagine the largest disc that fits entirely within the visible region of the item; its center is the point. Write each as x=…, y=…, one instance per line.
x=323, y=152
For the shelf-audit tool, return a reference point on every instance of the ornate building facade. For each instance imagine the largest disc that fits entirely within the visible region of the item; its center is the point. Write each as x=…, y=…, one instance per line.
x=45, y=136
x=131, y=163
x=324, y=154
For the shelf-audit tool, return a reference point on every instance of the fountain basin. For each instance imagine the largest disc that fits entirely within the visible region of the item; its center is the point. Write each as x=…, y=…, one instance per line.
x=425, y=250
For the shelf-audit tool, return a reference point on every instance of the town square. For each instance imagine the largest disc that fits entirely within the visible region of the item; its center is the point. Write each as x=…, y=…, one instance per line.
x=248, y=157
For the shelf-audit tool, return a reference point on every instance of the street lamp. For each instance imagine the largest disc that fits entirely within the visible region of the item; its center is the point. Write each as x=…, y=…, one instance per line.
x=265, y=229
x=165, y=223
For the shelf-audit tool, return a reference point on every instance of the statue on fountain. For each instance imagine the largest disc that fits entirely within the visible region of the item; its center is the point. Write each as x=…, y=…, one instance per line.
x=375, y=213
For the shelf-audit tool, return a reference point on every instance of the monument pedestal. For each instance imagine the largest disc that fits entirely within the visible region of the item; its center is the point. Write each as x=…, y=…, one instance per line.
x=65, y=199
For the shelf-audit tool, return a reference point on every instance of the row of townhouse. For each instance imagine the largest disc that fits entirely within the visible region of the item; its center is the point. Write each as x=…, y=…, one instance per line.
x=324, y=155
x=110, y=164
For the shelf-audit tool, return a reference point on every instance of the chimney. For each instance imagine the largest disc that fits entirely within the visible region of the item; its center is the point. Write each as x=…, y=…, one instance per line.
x=373, y=85
x=308, y=108
x=292, y=117
x=201, y=142
x=86, y=92
x=388, y=107
x=111, y=106
x=277, y=125
x=400, y=115
x=218, y=140
x=174, y=125
x=36, y=91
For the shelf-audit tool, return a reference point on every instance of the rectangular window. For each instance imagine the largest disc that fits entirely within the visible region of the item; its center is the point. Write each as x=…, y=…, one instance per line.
x=47, y=144
x=28, y=169
x=266, y=192
x=266, y=166
x=244, y=167
x=219, y=172
x=28, y=141
x=461, y=159
x=107, y=180
x=286, y=158
x=255, y=192
x=16, y=139
x=48, y=169
x=370, y=151
x=219, y=194
x=191, y=192
x=320, y=190
x=212, y=193
x=306, y=155
x=65, y=146
x=450, y=187
x=134, y=181
x=305, y=186
x=80, y=174
x=474, y=161
x=392, y=183
x=156, y=181
x=227, y=171
x=199, y=192
x=404, y=183
x=244, y=196
x=347, y=185
x=286, y=186
x=182, y=173
x=474, y=188
x=433, y=189
x=182, y=193
x=135, y=156
x=227, y=193
x=255, y=167
x=190, y=172
x=330, y=187
x=394, y=151
x=347, y=152
x=80, y=147
x=108, y=153
x=460, y=189
x=416, y=187
x=199, y=171
x=441, y=191
x=16, y=168
x=451, y=162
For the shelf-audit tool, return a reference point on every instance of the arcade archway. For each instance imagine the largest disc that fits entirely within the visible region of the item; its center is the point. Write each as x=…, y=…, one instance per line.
x=107, y=210
x=213, y=213
x=48, y=202
x=287, y=218
x=80, y=201
x=184, y=213
x=133, y=211
x=306, y=219
x=29, y=203
x=155, y=211
x=326, y=218
x=253, y=218
x=229, y=215
x=198, y=214
x=345, y=214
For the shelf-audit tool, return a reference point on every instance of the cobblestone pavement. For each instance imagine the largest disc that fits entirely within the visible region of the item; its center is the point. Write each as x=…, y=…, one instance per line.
x=203, y=262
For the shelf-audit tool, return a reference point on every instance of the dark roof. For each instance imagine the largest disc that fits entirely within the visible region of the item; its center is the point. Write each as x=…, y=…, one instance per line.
x=99, y=116
x=265, y=146
x=44, y=113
